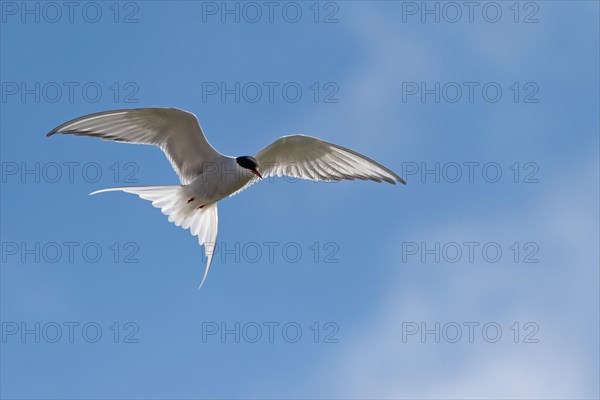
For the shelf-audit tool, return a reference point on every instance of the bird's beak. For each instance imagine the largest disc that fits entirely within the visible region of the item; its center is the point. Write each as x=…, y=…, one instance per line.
x=255, y=172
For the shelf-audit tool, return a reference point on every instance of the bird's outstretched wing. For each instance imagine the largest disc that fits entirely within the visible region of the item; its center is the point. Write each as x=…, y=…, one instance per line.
x=175, y=131
x=306, y=157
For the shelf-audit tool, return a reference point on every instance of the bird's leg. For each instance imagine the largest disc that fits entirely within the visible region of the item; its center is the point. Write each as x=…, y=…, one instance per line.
x=192, y=199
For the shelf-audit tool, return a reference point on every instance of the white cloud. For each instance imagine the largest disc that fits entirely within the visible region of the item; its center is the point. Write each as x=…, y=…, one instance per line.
x=561, y=365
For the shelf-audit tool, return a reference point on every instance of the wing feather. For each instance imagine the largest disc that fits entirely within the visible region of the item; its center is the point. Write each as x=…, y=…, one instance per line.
x=306, y=157
x=176, y=132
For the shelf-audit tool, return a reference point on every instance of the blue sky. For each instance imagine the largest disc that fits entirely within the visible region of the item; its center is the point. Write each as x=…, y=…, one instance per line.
x=368, y=285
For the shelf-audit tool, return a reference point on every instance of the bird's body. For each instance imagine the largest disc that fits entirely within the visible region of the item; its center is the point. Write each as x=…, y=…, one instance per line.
x=208, y=176
x=219, y=179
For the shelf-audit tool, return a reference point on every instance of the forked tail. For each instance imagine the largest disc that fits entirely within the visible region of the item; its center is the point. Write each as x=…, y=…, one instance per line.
x=172, y=201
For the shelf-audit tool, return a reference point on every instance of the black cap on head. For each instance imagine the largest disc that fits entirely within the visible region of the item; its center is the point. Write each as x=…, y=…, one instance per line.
x=247, y=162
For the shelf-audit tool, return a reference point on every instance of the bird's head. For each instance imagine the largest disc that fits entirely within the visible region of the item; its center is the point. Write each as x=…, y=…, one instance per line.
x=249, y=163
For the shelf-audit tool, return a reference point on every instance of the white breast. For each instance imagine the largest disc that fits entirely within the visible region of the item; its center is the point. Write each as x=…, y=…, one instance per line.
x=219, y=180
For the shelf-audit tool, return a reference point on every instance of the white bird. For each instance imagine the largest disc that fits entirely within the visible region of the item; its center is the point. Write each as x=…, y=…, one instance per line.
x=208, y=176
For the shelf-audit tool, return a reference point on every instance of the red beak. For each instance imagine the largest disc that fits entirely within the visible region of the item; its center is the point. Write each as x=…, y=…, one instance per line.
x=255, y=172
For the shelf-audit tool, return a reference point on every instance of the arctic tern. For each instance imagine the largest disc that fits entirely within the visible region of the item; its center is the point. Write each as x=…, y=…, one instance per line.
x=208, y=176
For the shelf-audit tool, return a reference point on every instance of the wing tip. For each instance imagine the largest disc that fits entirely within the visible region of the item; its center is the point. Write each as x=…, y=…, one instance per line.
x=394, y=180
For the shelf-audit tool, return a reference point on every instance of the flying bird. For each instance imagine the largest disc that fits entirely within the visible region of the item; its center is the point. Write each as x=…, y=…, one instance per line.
x=208, y=176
